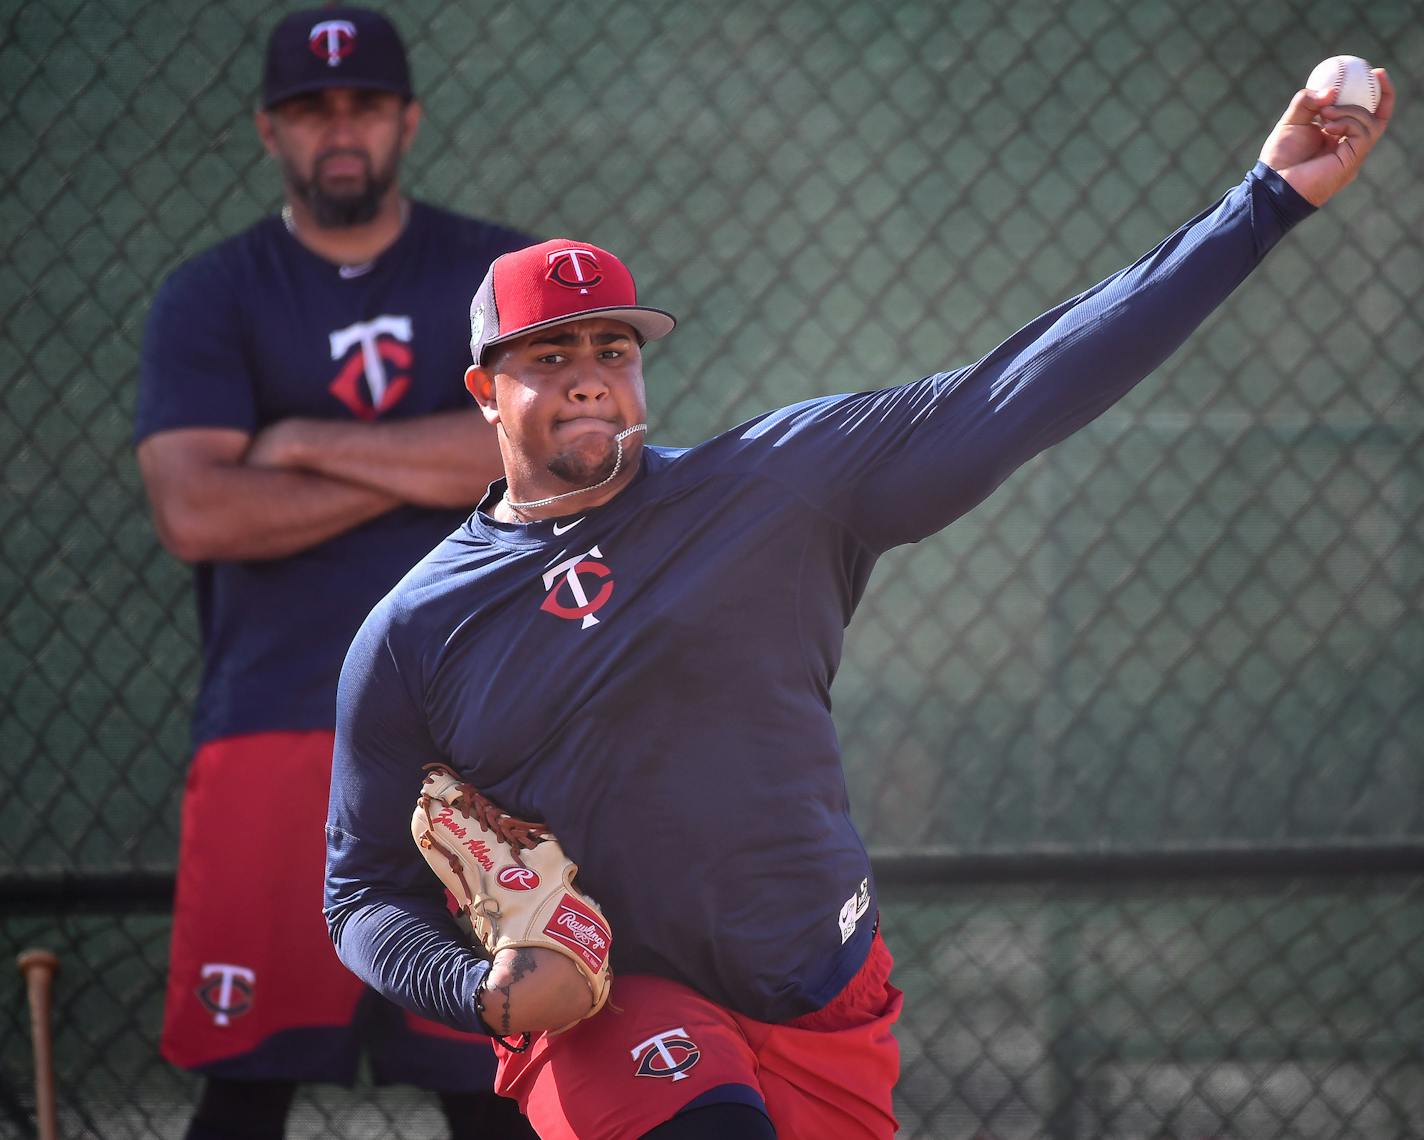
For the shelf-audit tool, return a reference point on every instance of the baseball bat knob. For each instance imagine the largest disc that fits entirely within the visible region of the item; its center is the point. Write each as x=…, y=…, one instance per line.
x=45, y=960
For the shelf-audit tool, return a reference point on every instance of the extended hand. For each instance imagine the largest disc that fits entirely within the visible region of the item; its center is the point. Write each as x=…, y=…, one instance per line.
x=1318, y=147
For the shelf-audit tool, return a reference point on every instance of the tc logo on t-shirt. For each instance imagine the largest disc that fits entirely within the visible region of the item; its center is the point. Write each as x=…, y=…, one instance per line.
x=365, y=349
x=568, y=576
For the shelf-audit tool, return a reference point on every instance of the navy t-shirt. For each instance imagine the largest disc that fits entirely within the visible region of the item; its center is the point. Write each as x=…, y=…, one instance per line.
x=259, y=329
x=652, y=677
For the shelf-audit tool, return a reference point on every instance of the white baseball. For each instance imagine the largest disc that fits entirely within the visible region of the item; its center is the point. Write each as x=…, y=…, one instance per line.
x=1354, y=83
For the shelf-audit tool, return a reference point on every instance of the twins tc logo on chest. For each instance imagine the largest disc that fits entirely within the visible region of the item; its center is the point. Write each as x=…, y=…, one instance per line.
x=375, y=358
x=581, y=580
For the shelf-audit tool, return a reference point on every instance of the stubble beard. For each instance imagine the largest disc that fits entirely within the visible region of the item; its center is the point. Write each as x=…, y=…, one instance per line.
x=336, y=211
x=582, y=470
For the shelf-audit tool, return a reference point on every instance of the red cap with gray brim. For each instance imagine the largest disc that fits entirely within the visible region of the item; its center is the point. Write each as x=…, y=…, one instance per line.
x=553, y=283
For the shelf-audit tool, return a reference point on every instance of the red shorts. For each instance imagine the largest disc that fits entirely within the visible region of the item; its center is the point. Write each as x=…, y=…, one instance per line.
x=255, y=989
x=658, y=1048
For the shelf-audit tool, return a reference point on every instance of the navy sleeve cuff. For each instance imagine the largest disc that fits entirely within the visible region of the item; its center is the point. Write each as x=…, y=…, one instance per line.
x=1287, y=202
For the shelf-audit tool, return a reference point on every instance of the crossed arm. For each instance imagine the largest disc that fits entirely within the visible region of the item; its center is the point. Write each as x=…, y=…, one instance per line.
x=220, y=494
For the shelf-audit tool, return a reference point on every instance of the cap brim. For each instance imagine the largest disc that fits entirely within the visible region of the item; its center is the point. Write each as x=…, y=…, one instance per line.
x=651, y=324
x=308, y=86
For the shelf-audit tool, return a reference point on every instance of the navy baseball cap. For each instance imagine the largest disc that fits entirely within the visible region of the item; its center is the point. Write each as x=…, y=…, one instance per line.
x=333, y=47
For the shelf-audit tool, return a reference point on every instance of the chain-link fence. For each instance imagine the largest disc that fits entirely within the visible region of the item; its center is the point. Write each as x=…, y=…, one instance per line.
x=1188, y=641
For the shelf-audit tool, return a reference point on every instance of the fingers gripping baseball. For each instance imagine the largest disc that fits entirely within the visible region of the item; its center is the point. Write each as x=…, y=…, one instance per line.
x=1319, y=144
x=549, y=941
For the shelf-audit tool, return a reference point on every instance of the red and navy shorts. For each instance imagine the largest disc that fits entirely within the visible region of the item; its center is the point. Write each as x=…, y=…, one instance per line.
x=255, y=989
x=658, y=1048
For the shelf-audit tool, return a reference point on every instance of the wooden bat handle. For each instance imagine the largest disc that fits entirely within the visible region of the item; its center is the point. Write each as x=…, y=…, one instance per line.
x=39, y=967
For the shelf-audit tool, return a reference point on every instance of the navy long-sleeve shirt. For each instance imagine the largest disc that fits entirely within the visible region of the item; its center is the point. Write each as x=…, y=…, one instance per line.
x=652, y=677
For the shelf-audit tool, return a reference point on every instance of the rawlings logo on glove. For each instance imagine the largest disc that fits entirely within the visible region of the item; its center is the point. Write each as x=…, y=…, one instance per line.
x=511, y=878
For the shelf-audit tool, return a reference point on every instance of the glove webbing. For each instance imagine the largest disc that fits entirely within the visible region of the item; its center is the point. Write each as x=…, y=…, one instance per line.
x=521, y=834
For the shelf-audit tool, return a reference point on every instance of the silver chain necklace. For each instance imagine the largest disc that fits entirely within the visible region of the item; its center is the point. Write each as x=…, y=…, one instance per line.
x=353, y=270
x=535, y=504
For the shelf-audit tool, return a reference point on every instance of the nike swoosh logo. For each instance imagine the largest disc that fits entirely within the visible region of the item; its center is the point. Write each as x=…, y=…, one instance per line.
x=567, y=526
x=349, y=271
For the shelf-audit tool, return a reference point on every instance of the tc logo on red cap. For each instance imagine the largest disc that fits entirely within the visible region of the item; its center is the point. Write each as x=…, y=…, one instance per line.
x=574, y=268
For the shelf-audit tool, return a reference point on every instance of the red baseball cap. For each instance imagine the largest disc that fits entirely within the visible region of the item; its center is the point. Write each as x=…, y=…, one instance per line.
x=553, y=283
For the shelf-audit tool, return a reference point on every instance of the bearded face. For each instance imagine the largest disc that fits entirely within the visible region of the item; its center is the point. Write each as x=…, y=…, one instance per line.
x=339, y=150
x=345, y=187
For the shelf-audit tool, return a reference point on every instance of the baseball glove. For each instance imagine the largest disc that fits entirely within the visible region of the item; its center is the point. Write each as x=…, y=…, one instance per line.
x=510, y=877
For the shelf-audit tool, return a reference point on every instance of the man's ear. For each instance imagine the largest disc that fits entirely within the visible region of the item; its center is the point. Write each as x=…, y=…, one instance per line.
x=263, y=121
x=479, y=382
x=410, y=123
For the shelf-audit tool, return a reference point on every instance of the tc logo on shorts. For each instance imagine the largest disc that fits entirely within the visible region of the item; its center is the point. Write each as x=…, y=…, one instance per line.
x=668, y=1054
x=226, y=990
x=518, y=878
x=574, y=269
x=365, y=349
x=567, y=574
x=334, y=39
x=581, y=930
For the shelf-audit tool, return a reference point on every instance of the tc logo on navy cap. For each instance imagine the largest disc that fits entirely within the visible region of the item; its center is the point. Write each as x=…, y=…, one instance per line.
x=334, y=47
x=333, y=40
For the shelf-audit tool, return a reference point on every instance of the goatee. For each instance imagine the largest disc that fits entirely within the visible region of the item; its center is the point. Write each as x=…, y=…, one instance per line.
x=335, y=211
x=584, y=472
